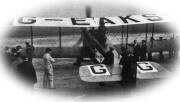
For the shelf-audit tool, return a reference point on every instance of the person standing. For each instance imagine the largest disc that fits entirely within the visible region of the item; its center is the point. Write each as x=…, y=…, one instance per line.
x=129, y=70
x=136, y=50
x=29, y=51
x=143, y=50
x=109, y=57
x=48, y=70
x=82, y=51
x=18, y=51
x=124, y=56
x=101, y=37
x=26, y=70
x=124, y=63
x=7, y=54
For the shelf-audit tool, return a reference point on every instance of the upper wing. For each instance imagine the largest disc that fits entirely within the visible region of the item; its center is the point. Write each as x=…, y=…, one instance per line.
x=89, y=22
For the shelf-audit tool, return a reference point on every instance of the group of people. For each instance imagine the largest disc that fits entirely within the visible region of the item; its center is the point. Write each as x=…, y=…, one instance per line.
x=139, y=52
x=20, y=61
x=24, y=66
x=128, y=61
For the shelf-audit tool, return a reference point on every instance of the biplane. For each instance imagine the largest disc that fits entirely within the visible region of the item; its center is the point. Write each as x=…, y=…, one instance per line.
x=98, y=72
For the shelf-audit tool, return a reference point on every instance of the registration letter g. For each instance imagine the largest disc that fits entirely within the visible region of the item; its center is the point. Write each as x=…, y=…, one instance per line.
x=27, y=21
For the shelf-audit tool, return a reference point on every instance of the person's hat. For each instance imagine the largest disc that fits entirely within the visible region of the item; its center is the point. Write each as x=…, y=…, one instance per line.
x=101, y=22
x=143, y=41
x=18, y=47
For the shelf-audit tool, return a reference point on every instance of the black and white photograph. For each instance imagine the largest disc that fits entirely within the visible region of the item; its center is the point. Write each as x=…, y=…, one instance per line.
x=89, y=51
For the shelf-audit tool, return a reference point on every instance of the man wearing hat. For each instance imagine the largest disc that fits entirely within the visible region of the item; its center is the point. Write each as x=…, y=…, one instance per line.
x=143, y=50
x=26, y=71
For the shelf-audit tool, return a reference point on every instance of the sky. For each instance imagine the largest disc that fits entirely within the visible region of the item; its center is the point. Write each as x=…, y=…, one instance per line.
x=77, y=9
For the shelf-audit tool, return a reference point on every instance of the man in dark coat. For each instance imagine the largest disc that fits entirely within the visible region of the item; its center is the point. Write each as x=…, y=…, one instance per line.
x=124, y=62
x=143, y=50
x=129, y=72
x=101, y=37
x=136, y=50
x=124, y=55
x=109, y=57
x=26, y=70
x=83, y=50
x=29, y=51
x=129, y=68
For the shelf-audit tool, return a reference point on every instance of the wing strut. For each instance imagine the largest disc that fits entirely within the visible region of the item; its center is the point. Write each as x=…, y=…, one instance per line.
x=146, y=31
x=153, y=31
x=151, y=46
x=122, y=32
x=127, y=31
x=31, y=32
x=59, y=31
x=152, y=37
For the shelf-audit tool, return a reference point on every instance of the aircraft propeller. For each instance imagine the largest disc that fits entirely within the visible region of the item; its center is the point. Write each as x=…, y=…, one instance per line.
x=88, y=11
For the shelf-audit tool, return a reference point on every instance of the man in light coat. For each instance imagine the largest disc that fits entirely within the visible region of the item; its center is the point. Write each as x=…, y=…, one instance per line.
x=48, y=70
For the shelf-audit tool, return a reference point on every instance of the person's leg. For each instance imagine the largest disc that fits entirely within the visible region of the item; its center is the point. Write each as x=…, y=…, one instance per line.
x=136, y=58
x=48, y=82
x=143, y=57
x=133, y=74
x=161, y=56
x=51, y=79
x=79, y=58
x=51, y=82
x=45, y=80
x=78, y=61
x=150, y=56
